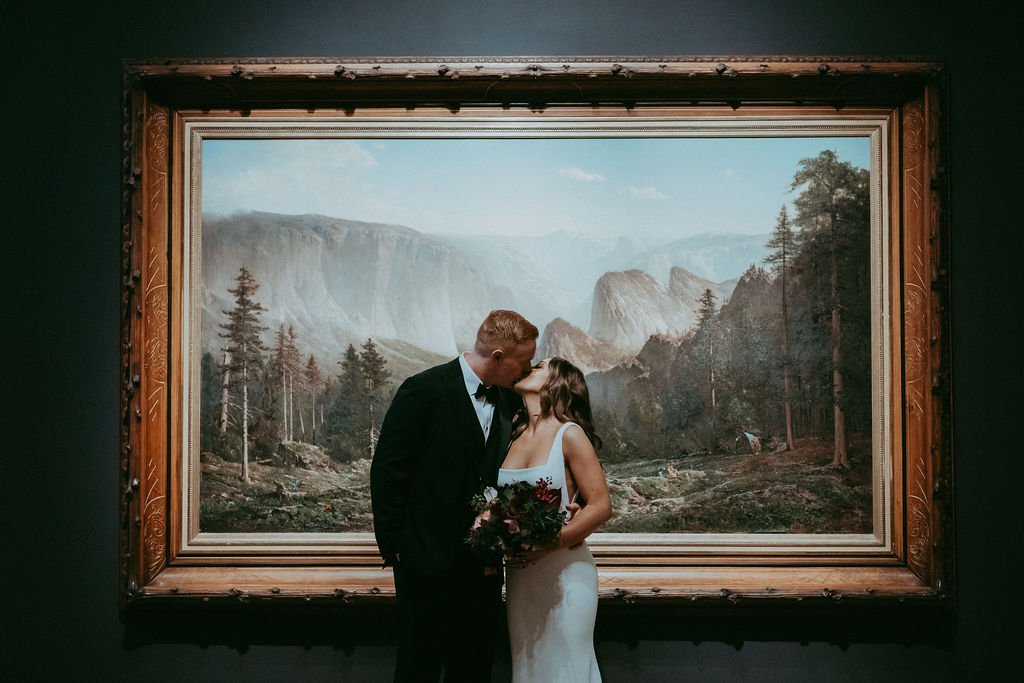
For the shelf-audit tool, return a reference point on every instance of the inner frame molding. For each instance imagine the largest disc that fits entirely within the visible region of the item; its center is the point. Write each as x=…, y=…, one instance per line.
x=170, y=105
x=872, y=125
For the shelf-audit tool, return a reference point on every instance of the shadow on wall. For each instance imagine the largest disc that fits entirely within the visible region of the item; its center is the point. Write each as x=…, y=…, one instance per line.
x=347, y=627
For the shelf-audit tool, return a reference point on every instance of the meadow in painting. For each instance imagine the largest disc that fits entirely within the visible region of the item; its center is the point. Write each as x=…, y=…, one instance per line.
x=716, y=292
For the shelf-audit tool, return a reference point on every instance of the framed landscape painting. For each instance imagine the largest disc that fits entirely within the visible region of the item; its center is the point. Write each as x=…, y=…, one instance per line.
x=747, y=268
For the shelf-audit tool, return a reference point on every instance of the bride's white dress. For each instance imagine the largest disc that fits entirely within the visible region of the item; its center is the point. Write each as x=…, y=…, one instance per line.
x=552, y=603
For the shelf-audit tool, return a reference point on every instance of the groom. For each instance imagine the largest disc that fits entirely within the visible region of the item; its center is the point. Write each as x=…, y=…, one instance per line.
x=442, y=441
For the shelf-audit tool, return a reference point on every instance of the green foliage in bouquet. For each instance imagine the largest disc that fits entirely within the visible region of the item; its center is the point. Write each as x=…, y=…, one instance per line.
x=515, y=519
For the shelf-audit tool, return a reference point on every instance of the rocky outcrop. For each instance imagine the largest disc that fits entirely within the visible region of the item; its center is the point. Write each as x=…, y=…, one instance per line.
x=630, y=306
x=565, y=340
x=303, y=455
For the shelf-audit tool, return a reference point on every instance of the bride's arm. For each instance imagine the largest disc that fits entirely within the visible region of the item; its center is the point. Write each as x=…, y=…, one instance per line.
x=585, y=468
x=582, y=462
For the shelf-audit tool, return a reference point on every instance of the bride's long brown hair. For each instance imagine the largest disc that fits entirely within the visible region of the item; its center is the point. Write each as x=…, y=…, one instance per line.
x=566, y=397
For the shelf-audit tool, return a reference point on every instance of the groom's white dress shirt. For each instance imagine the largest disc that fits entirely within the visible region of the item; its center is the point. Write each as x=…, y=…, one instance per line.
x=484, y=409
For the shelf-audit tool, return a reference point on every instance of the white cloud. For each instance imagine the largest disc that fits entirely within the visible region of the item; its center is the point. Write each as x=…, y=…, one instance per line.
x=579, y=174
x=728, y=173
x=645, y=193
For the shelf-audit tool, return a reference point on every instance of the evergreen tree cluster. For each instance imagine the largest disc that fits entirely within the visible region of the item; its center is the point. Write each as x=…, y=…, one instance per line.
x=254, y=398
x=357, y=400
x=785, y=357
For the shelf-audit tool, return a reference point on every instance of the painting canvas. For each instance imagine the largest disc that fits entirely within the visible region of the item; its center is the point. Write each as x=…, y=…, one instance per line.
x=716, y=290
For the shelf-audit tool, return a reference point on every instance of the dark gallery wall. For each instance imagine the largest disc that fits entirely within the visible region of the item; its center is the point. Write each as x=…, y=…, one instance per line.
x=61, y=324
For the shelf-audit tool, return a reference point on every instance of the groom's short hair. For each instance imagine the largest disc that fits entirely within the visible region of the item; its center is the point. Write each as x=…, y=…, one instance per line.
x=504, y=329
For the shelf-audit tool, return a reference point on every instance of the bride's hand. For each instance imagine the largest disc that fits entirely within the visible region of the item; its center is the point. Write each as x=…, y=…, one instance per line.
x=520, y=561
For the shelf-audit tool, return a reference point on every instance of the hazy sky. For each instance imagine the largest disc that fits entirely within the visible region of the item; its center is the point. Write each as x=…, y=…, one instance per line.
x=669, y=188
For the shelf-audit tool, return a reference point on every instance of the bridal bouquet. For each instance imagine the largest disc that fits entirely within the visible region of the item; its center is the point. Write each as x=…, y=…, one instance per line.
x=515, y=519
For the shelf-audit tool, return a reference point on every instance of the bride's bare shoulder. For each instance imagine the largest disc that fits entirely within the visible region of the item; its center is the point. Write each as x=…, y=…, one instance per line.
x=575, y=439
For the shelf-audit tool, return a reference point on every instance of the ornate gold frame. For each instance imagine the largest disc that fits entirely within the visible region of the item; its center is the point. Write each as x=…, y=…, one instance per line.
x=161, y=97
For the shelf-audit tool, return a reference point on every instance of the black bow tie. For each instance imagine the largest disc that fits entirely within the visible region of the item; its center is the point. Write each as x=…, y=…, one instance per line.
x=489, y=393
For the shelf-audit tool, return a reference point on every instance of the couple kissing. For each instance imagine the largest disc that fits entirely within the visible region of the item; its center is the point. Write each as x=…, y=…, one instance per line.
x=488, y=418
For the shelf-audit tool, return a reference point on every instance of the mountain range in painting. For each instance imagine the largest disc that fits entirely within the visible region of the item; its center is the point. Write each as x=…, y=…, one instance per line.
x=420, y=296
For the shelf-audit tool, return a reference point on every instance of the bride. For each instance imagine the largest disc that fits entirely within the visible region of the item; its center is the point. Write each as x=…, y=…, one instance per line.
x=552, y=593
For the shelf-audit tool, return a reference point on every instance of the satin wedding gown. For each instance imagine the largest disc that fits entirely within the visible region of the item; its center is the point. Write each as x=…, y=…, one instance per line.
x=552, y=603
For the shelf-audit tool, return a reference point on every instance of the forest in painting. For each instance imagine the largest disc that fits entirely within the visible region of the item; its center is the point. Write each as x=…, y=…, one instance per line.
x=730, y=373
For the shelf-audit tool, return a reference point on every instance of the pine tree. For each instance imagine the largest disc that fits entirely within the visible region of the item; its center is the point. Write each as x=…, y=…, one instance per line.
x=783, y=246
x=375, y=377
x=244, y=351
x=345, y=404
x=210, y=396
x=293, y=377
x=829, y=206
x=279, y=379
x=225, y=391
x=705, y=338
x=313, y=382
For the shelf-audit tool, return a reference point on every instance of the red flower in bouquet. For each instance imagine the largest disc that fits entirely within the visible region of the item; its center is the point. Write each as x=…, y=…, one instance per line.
x=515, y=519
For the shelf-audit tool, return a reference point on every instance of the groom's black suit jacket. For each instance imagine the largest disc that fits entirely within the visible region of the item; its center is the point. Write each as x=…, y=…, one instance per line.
x=430, y=460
